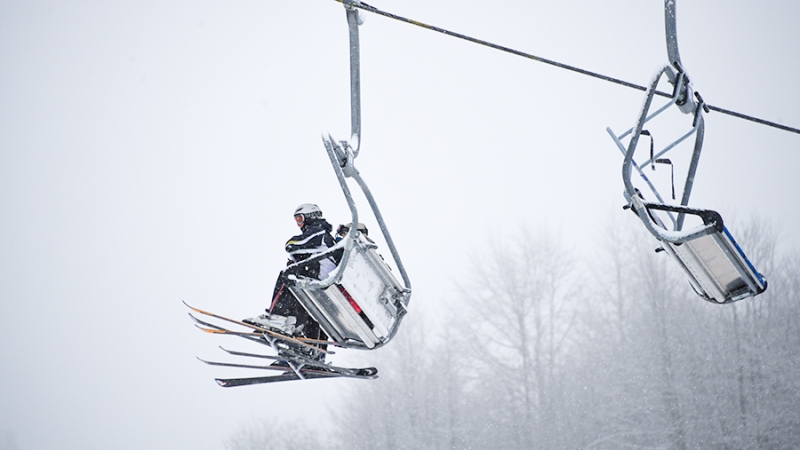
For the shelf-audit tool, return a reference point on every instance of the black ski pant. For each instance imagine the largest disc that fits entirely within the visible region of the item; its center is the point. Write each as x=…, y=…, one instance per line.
x=285, y=304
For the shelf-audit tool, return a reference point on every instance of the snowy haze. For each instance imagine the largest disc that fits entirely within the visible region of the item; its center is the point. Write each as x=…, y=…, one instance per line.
x=153, y=152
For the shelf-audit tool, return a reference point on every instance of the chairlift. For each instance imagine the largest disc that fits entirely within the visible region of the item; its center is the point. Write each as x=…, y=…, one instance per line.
x=361, y=303
x=717, y=268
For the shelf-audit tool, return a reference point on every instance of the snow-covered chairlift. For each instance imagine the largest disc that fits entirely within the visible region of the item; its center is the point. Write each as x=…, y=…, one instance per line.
x=361, y=304
x=716, y=266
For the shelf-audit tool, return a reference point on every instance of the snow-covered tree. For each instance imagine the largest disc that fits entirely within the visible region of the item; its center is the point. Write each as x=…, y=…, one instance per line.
x=527, y=358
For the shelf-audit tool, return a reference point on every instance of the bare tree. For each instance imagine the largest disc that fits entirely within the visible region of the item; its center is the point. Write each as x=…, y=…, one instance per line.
x=525, y=359
x=519, y=300
x=679, y=372
x=415, y=402
x=269, y=435
x=624, y=368
x=764, y=332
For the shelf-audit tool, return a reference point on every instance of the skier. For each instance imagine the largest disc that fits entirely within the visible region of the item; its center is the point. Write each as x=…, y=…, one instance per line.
x=285, y=313
x=342, y=231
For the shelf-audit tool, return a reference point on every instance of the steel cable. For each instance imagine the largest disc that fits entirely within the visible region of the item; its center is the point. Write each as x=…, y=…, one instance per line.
x=372, y=9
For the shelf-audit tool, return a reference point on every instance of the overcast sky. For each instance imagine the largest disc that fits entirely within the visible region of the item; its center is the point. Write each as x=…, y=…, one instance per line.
x=154, y=151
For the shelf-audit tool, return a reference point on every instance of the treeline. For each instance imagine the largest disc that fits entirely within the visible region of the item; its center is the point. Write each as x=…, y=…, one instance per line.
x=537, y=351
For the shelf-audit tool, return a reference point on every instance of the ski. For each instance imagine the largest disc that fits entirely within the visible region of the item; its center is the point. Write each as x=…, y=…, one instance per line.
x=253, y=355
x=368, y=373
x=259, y=329
x=284, y=354
x=305, y=363
x=287, y=350
x=256, y=334
x=255, y=337
x=289, y=376
x=297, y=358
x=246, y=366
x=304, y=368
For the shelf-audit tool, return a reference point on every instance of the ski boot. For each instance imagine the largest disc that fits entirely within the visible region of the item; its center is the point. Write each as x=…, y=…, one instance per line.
x=275, y=322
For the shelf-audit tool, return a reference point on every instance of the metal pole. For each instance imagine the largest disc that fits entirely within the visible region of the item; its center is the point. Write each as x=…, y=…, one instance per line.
x=353, y=21
x=672, y=34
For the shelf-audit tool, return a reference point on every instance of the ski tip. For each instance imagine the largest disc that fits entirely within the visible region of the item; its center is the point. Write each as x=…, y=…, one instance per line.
x=209, y=330
x=369, y=372
x=221, y=382
x=195, y=309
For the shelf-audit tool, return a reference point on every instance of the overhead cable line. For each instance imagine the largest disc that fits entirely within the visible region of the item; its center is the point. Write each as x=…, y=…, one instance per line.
x=372, y=9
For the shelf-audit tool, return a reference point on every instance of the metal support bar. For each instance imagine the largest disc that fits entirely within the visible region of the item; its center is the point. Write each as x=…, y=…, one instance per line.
x=347, y=169
x=353, y=21
x=640, y=171
x=698, y=146
x=672, y=34
x=637, y=131
x=384, y=229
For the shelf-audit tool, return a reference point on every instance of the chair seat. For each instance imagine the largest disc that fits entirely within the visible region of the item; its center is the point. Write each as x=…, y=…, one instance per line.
x=717, y=267
x=364, y=307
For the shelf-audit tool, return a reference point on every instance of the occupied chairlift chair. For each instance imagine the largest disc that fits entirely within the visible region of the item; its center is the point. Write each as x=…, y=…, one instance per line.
x=361, y=303
x=717, y=268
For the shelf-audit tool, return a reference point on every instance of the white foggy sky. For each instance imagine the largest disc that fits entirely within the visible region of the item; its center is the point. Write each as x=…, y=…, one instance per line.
x=153, y=152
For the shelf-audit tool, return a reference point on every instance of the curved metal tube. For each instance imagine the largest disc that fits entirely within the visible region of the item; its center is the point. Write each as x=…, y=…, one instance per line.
x=347, y=242
x=344, y=167
x=627, y=163
x=384, y=230
x=343, y=170
x=660, y=233
x=672, y=34
x=353, y=21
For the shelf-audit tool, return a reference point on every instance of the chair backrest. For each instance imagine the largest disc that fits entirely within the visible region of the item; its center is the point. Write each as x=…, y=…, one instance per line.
x=364, y=308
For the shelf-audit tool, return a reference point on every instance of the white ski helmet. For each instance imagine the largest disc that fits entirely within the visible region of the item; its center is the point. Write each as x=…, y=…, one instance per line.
x=308, y=211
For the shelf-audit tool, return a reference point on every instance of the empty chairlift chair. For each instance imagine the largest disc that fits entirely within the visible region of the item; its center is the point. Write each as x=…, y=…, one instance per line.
x=716, y=266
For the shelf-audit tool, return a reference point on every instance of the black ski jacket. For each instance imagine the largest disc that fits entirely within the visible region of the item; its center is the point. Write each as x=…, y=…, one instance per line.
x=316, y=238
